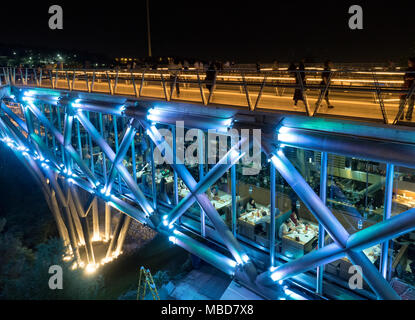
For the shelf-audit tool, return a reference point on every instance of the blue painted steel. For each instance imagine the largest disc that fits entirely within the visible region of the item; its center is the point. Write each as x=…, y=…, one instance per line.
x=387, y=206
x=272, y=218
x=321, y=230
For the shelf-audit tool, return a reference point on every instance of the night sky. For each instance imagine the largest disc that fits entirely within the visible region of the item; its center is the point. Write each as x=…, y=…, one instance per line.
x=245, y=31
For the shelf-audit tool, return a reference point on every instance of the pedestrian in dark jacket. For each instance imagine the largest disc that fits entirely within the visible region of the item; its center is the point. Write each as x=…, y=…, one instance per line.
x=299, y=75
x=325, y=80
x=210, y=76
x=409, y=79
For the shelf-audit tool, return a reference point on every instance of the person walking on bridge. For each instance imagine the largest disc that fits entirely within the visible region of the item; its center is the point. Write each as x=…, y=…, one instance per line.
x=325, y=80
x=299, y=74
x=174, y=76
x=258, y=66
x=409, y=82
x=210, y=76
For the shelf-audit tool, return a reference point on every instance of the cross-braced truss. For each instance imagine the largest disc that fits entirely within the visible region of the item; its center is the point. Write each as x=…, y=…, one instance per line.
x=61, y=172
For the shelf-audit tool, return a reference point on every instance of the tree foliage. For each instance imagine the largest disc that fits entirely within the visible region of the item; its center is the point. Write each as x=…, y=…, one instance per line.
x=24, y=273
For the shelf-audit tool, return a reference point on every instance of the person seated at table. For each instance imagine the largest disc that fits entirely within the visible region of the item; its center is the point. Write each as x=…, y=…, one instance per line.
x=295, y=220
x=213, y=192
x=285, y=228
x=158, y=174
x=251, y=205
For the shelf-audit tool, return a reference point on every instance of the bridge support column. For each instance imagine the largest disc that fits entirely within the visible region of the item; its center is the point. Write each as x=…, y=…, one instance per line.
x=95, y=220
x=75, y=216
x=115, y=236
x=67, y=213
x=89, y=248
x=107, y=221
x=123, y=234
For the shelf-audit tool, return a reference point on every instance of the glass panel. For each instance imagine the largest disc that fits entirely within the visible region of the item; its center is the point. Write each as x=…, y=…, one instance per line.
x=297, y=226
x=355, y=195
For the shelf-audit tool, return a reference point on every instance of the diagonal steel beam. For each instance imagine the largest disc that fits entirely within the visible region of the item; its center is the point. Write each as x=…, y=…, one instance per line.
x=138, y=194
x=84, y=221
x=231, y=243
x=13, y=116
x=67, y=137
x=325, y=217
x=366, y=238
x=124, y=146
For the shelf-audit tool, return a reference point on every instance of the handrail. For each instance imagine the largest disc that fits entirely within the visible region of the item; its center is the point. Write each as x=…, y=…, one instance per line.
x=380, y=92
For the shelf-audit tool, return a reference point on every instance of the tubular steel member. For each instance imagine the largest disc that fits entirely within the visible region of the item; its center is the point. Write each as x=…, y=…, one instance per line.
x=321, y=231
x=272, y=218
x=67, y=217
x=305, y=263
x=331, y=224
x=67, y=136
x=123, y=233
x=386, y=215
x=74, y=212
x=232, y=244
x=125, y=144
x=84, y=222
x=115, y=236
x=107, y=221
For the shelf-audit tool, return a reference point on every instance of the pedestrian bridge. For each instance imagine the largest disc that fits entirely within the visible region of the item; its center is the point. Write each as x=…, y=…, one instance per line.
x=88, y=138
x=358, y=94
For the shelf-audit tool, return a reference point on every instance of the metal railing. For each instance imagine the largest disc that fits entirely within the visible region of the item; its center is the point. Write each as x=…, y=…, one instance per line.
x=371, y=95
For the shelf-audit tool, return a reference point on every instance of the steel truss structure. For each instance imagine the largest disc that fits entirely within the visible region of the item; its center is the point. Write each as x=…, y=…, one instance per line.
x=28, y=117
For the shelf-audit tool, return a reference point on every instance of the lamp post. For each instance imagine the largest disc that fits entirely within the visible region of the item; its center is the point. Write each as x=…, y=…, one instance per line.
x=148, y=28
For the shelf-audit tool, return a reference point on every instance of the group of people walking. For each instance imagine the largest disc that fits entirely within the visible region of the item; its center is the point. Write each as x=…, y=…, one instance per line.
x=210, y=72
x=299, y=73
x=300, y=80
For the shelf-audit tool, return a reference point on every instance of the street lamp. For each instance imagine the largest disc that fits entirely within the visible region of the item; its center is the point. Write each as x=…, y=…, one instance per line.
x=148, y=28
